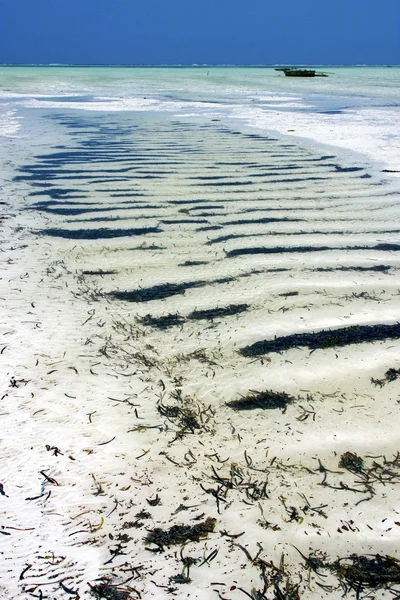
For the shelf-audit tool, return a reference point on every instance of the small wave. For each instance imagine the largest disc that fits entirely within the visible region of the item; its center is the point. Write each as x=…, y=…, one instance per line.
x=9, y=123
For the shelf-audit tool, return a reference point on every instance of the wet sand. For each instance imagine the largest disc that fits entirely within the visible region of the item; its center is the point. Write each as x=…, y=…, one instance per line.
x=147, y=271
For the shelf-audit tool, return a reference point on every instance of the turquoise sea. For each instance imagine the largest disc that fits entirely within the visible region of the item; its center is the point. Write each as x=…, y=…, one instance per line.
x=356, y=108
x=349, y=86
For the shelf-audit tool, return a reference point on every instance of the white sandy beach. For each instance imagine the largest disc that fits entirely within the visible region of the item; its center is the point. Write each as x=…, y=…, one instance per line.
x=115, y=423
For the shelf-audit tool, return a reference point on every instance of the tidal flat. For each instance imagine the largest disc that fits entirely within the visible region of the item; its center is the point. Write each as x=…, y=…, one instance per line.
x=200, y=350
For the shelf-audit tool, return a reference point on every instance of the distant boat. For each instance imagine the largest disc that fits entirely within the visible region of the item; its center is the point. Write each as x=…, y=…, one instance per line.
x=296, y=72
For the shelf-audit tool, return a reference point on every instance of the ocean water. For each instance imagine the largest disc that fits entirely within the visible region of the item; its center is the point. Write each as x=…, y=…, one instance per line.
x=355, y=108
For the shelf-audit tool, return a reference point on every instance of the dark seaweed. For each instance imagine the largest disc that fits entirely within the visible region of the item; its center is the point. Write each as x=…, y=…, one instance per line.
x=83, y=209
x=392, y=374
x=182, y=221
x=281, y=249
x=180, y=534
x=170, y=320
x=185, y=416
x=276, y=250
x=100, y=272
x=288, y=294
x=209, y=228
x=330, y=338
x=387, y=247
x=97, y=234
x=225, y=183
x=109, y=592
x=214, y=313
x=173, y=320
x=57, y=193
x=340, y=169
x=157, y=292
x=207, y=207
x=376, y=268
x=262, y=220
x=265, y=400
x=359, y=572
x=193, y=263
x=351, y=462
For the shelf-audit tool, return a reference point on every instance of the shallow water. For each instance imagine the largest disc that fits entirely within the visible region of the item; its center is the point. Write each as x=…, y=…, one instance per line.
x=159, y=248
x=256, y=97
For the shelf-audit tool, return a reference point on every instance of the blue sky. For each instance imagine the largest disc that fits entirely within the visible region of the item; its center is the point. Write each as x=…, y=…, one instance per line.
x=206, y=31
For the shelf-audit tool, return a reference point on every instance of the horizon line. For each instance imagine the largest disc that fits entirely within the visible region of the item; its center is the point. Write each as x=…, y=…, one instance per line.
x=197, y=65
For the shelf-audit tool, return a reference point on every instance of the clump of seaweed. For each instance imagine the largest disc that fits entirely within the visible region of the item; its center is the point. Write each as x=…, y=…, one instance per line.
x=359, y=573
x=141, y=515
x=304, y=249
x=187, y=415
x=214, y=313
x=362, y=572
x=375, y=268
x=180, y=578
x=329, y=338
x=184, y=576
x=156, y=292
x=164, y=322
x=96, y=234
x=351, y=462
x=175, y=319
x=193, y=263
x=109, y=592
x=99, y=272
x=265, y=400
x=390, y=375
x=180, y=534
x=209, y=228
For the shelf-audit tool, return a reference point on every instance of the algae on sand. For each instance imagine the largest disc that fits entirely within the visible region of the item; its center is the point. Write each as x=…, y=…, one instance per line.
x=362, y=572
x=351, y=462
x=180, y=534
x=329, y=338
x=265, y=400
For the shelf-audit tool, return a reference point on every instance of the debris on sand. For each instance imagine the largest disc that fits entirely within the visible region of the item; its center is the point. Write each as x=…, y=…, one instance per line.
x=187, y=415
x=180, y=534
x=351, y=462
x=266, y=400
x=109, y=592
x=390, y=375
x=362, y=572
x=359, y=573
